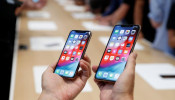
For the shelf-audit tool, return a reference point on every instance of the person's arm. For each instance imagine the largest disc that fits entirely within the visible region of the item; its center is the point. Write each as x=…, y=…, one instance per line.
x=171, y=38
x=120, y=13
x=117, y=15
x=47, y=96
x=30, y=5
x=156, y=12
x=138, y=14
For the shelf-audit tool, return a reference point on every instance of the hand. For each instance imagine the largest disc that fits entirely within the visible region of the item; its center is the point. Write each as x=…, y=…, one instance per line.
x=155, y=24
x=30, y=5
x=54, y=87
x=104, y=20
x=123, y=87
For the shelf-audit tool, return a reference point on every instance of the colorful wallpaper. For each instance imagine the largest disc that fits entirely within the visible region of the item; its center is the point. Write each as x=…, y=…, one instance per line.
x=116, y=54
x=71, y=54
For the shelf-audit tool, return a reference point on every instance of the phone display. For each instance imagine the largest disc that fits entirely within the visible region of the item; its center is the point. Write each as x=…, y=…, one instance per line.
x=119, y=46
x=72, y=52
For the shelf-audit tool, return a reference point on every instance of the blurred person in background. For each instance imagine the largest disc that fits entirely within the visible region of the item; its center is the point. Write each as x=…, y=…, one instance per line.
x=8, y=10
x=159, y=14
x=141, y=18
x=123, y=13
x=171, y=27
x=80, y=2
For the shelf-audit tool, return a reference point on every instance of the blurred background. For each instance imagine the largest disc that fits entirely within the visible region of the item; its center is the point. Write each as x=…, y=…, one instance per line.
x=33, y=33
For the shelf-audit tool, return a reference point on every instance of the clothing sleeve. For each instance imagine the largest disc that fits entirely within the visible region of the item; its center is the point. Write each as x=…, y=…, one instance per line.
x=114, y=4
x=156, y=10
x=129, y=2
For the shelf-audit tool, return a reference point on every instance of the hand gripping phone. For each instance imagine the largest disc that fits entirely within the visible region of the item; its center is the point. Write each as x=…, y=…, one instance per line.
x=120, y=45
x=74, y=50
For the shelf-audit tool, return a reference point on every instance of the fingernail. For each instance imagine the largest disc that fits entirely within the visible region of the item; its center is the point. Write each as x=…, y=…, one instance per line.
x=135, y=55
x=85, y=55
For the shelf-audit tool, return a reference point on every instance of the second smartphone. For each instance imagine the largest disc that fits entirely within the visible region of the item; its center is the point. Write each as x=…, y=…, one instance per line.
x=120, y=45
x=74, y=50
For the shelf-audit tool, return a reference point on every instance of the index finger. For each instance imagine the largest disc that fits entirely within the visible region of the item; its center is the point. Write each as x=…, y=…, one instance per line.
x=86, y=58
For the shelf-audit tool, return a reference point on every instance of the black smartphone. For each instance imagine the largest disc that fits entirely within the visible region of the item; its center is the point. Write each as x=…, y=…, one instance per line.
x=121, y=43
x=74, y=50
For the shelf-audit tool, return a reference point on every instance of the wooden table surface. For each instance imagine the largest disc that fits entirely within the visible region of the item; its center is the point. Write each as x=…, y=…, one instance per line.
x=24, y=81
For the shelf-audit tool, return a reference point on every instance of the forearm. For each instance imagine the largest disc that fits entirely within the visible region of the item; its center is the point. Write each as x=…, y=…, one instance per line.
x=138, y=12
x=123, y=97
x=120, y=13
x=48, y=96
x=171, y=36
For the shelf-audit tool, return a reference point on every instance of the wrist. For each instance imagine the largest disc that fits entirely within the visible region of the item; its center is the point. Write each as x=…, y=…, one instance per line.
x=49, y=96
x=123, y=97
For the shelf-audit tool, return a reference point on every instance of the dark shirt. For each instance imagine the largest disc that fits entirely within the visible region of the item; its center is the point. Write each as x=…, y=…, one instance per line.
x=147, y=29
x=7, y=35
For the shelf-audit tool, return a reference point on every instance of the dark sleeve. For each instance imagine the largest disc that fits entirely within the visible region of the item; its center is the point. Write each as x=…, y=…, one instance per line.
x=114, y=4
x=129, y=2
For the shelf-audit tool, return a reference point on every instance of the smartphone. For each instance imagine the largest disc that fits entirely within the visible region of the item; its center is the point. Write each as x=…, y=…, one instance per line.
x=74, y=50
x=121, y=43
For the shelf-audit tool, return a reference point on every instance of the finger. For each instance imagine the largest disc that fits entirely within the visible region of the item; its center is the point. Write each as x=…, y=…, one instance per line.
x=86, y=58
x=100, y=84
x=94, y=68
x=51, y=67
x=85, y=71
x=88, y=65
x=126, y=80
x=129, y=72
x=131, y=62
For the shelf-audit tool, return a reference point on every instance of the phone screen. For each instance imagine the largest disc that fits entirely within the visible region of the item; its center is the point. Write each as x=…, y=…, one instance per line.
x=119, y=46
x=72, y=52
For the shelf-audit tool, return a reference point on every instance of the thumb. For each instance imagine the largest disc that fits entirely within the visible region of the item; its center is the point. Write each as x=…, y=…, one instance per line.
x=51, y=68
x=125, y=83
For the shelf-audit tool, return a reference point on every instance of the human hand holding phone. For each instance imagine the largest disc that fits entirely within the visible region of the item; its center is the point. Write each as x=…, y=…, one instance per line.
x=73, y=51
x=123, y=88
x=55, y=87
x=121, y=43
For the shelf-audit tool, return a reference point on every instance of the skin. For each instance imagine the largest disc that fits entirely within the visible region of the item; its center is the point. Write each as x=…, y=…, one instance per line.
x=171, y=38
x=117, y=16
x=30, y=5
x=55, y=87
x=123, y=88
x=155, y=24
x=138, y=14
